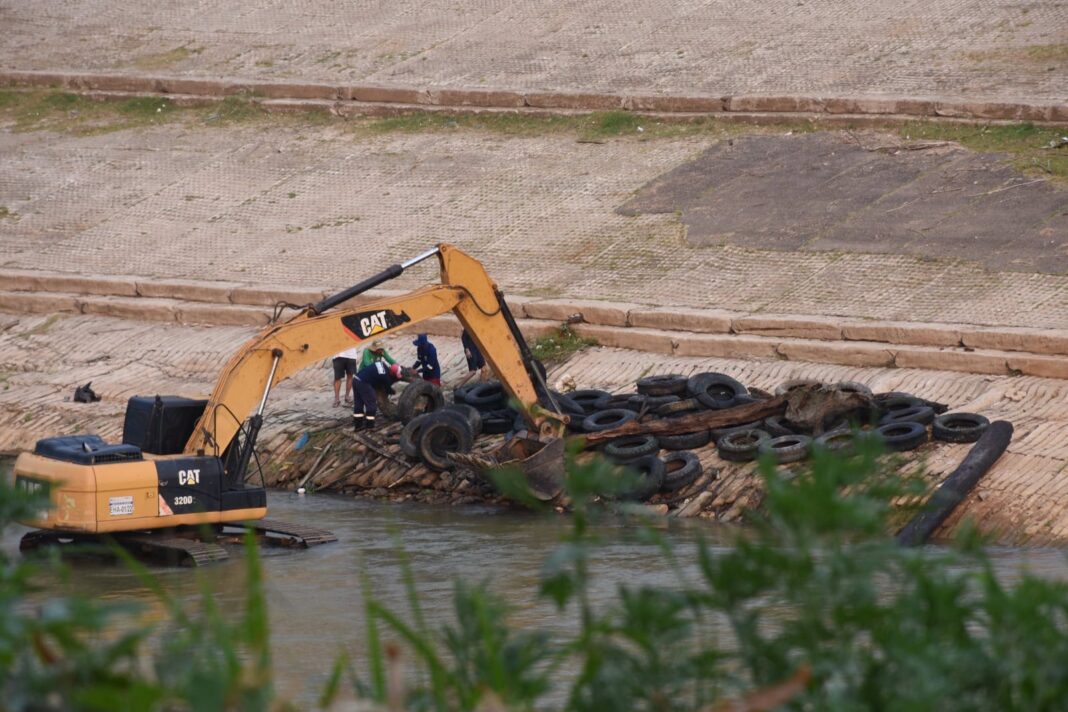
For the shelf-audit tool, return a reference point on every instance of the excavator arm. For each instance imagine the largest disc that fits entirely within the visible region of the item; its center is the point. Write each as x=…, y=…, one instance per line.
x=323, y=330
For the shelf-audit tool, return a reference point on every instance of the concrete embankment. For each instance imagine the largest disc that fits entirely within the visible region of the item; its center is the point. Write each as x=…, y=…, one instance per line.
x=1021, y=500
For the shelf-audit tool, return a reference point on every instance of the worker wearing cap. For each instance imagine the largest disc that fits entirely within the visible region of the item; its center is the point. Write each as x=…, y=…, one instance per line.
x=426, y=360
x=365, y=400
x=376, y=352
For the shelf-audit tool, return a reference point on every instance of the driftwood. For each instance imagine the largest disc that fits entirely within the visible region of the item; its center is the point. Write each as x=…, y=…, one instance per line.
x=809, y=407
x=315, y=464
x=952, y=492
x=695, y=422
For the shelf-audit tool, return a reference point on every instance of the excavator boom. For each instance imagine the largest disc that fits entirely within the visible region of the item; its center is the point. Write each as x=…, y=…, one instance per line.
x=324, y=329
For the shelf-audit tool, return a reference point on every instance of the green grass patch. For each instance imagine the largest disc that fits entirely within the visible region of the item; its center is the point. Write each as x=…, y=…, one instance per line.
x=6, y=212
x=560, y=345
x=234, y=109
x=1034, y=149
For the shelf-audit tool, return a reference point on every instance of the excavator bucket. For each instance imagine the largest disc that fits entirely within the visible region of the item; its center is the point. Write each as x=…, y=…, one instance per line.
x=541, y=462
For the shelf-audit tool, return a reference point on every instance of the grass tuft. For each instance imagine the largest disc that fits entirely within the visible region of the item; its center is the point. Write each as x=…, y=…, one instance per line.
x=560, y=345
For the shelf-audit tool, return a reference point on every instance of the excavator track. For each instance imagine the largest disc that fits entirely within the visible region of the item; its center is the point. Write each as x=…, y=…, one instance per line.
x=187, y=552
x=305, y=536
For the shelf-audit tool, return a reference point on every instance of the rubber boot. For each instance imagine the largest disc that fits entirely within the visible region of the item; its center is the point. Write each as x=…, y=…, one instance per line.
x=370, y=422
x=359, y=422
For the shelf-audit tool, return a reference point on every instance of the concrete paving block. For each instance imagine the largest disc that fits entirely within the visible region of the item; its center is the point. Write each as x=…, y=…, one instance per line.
x=676, y=104
x=518, y=304
x=534, y=329
x=131, y=308
x=903, y=332
x=860, y=105
x=202, y=87
x=788, y=326
x=37, y=303
x=476, y=97
x=269, y=297
x=584, y=102
x=708, y=321
x=845, y=353
x=219, y=315
x=387, y=94
x=295, y=90
x=1036, y=341
x=775, y=104
x=187, y=290
x=69, y=283
x=592, y=312
x=1042, y=366
x=725, y=346
x=638, y=339
x=951, y=360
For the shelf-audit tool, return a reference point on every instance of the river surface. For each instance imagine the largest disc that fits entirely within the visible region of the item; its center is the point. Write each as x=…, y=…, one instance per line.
x=314, y=595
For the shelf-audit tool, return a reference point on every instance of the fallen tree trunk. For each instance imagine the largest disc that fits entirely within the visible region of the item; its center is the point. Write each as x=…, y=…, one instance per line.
x=705, y=420
x=952, y=492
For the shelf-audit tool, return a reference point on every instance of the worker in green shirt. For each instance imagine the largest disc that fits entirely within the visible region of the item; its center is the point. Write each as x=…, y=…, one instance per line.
x=375, y=352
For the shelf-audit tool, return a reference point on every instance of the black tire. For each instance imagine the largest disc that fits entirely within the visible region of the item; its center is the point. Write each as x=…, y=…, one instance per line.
x=567, y=405
x=650, y=478
x=784, y=388
x=916, y=414
x=959, y=427
x=409, y=436
x=853, y=387
x=639, y=401
x=486, y=396
x=470, y=414
x=668, y=384
x=890, y=402
x=787, y=448
x=496, y=422
x=776, y=426
x=459, y=395
x=680, y=469
x=678, y=408
x=741, y=445
x=612, y=402
x=718, y=433
x=631, y=447
x=441, y=435
x=842, y=441
x=716, y=391
x=686, y=441
x=608, y=419
x=902, y=435
x=417, y=398
x=699, y=382
x=587, y=398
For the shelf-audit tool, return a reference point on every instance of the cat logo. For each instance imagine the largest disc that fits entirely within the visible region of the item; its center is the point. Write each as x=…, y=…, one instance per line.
x=364, y=325
x=189, y=477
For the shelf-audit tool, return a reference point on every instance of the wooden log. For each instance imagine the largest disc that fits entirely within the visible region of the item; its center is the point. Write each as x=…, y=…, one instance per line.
x=695, y=505
x=960, y=482
x=705, y=420
x=315, y=464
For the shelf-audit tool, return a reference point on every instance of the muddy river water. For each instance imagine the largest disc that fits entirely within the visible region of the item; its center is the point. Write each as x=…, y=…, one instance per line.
x=314, y=596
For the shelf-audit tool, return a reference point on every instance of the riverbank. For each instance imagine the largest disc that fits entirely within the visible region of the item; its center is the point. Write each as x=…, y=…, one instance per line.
x=1020, y=501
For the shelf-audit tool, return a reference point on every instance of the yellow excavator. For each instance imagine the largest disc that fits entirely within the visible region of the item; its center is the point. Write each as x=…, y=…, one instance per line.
x=183, y=462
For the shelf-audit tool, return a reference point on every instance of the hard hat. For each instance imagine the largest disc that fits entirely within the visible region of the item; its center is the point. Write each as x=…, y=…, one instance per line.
x=395, y=369
x=376, y=345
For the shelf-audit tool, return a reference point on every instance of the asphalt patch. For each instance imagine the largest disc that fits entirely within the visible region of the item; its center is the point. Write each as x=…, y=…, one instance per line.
x=838, y=192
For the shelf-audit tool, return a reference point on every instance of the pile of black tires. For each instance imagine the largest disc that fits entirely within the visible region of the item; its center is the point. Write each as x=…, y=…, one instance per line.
x=433, y=429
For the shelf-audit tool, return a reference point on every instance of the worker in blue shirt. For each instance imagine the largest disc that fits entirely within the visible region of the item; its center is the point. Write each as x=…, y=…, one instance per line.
x=365, y=400
x=426, y=360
